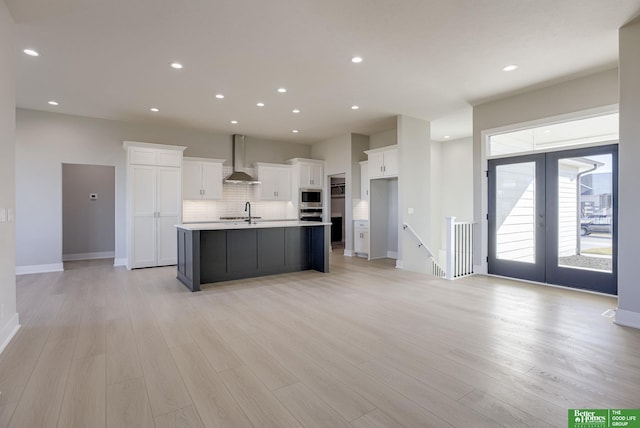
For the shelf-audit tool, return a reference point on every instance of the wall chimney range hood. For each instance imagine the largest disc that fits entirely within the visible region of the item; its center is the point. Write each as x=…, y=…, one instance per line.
x=238, y=176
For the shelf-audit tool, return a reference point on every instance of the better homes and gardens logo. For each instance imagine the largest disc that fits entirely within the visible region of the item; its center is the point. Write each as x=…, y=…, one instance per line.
x=588, y=418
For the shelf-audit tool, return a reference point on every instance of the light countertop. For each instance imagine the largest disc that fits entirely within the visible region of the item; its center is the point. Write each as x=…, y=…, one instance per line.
x=260, y=224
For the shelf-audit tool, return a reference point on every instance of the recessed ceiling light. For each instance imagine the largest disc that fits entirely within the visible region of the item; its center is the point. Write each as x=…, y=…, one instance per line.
x=219, y=96
x=295, y=111
x=234, y=122
x=510, y=67
x=355, y=107
x=54, y=103
x=356, y=59
x=154, y=109
x=260, y=104
x=295, y=131
x=31, y=52
x=446, y=137
x=176, y=65
x=282, y=90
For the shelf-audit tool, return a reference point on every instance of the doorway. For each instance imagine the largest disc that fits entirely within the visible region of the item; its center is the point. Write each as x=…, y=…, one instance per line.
x=88, y=212
x=552, y=218
x=337, y=210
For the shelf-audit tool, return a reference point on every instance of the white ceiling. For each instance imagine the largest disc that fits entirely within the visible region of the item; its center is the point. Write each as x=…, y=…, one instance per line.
x=429, y=59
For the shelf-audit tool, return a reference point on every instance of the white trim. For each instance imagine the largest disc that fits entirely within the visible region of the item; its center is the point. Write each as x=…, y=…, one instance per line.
x=627, y=318
x=88, y=256
x=348, y=253
x=9, y=331
x=399, y=264
x=53, y=267
x=120, y=261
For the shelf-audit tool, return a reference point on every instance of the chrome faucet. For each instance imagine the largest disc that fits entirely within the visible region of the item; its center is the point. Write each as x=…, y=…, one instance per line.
x=247, y=207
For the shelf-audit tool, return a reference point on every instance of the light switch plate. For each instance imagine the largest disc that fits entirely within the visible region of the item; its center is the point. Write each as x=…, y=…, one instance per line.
x=11, y=214
x=410, y=210
x=3, y=215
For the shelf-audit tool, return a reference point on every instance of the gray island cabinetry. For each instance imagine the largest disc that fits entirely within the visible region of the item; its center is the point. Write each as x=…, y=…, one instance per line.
x=216, y=252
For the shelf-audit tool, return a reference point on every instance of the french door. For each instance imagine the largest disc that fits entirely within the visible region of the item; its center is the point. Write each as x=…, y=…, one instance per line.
x=552, y=218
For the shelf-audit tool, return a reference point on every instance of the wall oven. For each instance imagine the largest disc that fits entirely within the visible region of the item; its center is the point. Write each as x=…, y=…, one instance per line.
x=310, y=205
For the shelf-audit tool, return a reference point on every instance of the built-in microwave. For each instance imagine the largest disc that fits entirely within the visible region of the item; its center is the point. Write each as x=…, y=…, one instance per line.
x=311, y=197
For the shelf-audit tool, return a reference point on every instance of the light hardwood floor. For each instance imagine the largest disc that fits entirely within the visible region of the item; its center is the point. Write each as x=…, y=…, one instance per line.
x=364, y=346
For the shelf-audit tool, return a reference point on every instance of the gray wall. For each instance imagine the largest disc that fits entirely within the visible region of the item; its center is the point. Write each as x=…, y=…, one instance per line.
x=44, y=141
x=383, y=139
x=597, y=92
x=414, y=191
x=629, y=176
x=8, y=315
x=88, y=226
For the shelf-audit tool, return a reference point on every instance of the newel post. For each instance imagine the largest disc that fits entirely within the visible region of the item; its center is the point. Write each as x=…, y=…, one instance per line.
x=450, y=248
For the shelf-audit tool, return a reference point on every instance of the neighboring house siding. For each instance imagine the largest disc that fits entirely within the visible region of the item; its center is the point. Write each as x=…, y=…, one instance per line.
x=567, y=210
x=515, y=212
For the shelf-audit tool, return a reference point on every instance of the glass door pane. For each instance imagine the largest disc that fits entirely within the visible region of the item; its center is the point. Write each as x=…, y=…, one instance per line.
x=585, y=213
x=516, y=212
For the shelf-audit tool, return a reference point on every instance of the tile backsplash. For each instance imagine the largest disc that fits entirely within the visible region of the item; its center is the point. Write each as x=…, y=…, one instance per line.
x=232, y=204
x=360, y=209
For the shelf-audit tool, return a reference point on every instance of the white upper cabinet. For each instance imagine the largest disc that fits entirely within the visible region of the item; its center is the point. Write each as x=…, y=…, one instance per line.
x=307, y=173
x=364, y=180
x=383, y=162
x=202, y=178
x=275, y=182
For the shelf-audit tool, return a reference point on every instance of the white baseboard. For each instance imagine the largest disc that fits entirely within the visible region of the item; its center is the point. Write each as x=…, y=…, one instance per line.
x=88, y=256
x=348, y=253
x=53, y=267
x=399, y=264
x=627, y=318
x=8, y=331
x=120, y=262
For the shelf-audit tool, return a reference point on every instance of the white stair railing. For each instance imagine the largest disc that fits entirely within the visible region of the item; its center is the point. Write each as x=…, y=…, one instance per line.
x=459, y=248
x=434, y=268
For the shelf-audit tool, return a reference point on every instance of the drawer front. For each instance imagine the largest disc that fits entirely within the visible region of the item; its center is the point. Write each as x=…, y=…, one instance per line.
x=362, y=225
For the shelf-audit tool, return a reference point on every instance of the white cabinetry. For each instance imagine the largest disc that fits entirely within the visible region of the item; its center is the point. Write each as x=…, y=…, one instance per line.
x=364, y=180
x=202, y=178
x=361, y=237
x=154, y=203
x=275, y=182
x=307, y=173
x=383, y=162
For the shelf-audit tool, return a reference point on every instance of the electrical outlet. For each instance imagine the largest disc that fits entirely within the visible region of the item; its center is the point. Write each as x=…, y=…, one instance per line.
x=3, y=215
x=409, y=210
x=93, y=196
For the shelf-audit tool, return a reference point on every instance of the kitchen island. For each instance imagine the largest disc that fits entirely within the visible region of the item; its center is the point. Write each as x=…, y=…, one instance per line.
x=213, y=252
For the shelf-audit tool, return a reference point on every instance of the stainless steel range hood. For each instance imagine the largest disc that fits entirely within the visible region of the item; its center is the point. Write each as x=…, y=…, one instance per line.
x=238, y=176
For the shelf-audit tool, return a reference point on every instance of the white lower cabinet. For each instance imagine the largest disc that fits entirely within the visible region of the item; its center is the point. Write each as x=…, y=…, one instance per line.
x=361, y=237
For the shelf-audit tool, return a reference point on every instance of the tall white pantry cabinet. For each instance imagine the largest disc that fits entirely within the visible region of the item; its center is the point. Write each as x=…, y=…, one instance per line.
x=154, y=203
